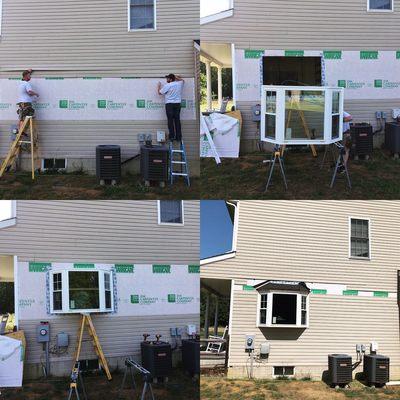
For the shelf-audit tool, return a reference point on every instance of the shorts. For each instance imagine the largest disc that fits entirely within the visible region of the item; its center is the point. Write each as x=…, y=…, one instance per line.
x=25, y=110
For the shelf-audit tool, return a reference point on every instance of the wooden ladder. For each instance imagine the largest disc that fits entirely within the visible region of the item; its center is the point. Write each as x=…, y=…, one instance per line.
x=16, y=147
x=87, y=321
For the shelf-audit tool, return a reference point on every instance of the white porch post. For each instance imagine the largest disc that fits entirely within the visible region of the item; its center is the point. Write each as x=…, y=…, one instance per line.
x=209, y=92
x=216, y=316
x=219, y=86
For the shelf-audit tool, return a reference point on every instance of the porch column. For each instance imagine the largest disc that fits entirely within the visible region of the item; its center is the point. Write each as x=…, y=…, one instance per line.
x=219, y=86
x=209, y=91
x=206, y=316
x=216, y=316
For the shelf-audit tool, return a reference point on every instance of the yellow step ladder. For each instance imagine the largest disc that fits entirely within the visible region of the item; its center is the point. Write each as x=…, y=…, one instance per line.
x=30, y=138
x=86, y=321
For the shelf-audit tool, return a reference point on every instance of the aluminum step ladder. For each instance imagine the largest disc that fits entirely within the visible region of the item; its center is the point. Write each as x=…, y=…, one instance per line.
x=178, y=158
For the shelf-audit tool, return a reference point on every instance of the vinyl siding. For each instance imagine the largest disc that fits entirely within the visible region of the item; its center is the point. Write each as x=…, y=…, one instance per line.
x=86, y=37
x=306, y=24
x=361, y=111
x=309, y=241
x=119, y=336
x=101, y=232
x=78, y=139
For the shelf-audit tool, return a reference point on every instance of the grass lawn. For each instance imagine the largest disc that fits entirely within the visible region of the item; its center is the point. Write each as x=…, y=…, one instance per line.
x=246, y=177
x=213, y=388
x=86, y=187
x=179, y=387
x=215, y=105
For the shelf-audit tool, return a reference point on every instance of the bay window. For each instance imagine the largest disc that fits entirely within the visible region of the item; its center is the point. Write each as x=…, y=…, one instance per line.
x=74, y=291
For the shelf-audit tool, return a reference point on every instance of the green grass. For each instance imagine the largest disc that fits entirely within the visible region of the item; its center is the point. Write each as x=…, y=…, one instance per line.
x=246, y=177
x=86, y=187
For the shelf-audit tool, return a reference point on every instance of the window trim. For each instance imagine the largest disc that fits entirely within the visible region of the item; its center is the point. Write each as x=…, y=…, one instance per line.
x=1, y=14
x=171, y=223
x=65, y=291
x=146, y=29
x=283, y=366
x=54, y=169
x=373, y=10
x=369, y=239
x=270, y=305
x=13, y=220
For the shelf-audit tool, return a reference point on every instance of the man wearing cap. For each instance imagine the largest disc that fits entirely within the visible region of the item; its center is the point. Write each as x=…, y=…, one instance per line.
x=172, y=91
x=26, y=96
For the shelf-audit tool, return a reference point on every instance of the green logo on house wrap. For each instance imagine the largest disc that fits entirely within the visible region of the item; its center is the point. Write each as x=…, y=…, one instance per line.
x=179, y=299
x=83, y=266
x=41, y=106
x=124, y=268
x=253, y=53
x=194, y=269
x=110, y=105
x=72, y=105
x=149, y=104
x=141, y=103
x=333, y=54
x=342, y=83
x=385, y=84
x=25, y=303
x=351, y=84
x=161, y=269
x=248, y=287
x=398, y=54
x=369, y=55
x=378, y=83
x=39, y=266
x=294, y=53
x=143, y=299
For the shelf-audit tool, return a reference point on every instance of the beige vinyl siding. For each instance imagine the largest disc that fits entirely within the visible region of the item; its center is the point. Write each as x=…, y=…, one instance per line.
x=78, y=139
x=306, y=24
x=337, y=324
x=91, y=37
x=361, y=111
x=309, y=241
x=119, y=336
x=101, y=232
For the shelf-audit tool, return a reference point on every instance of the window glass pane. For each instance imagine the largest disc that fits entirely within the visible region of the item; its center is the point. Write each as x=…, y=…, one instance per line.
x=107, y=288
x=271, y=102
x=335, y=126
x=5, y=209
x=142, y=14
x=171, y=211
x=359, y=238
x=57, y=301
x=284, y=308
x=108, y=299
x=57, y=282
x=278, y=370
x=304, y=115
x=380, y=4
x=270, y=126
x=83, y=290
x=264, y=300
x=335, y=102
x=263, y=316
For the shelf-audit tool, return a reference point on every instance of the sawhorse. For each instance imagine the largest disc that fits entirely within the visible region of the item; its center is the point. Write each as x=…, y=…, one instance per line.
x=76, y=378
x=276, y=157
x=340, y=162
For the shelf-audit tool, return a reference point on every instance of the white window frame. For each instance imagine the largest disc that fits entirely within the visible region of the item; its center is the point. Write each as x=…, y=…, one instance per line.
x=146, y=29
x=270, y=300
x=65, y=291
x=54, y=158
x=280, y=116
x=171, y=223
x=378, y=10
x=13, y=220
x=282, y=366
x=369, y=238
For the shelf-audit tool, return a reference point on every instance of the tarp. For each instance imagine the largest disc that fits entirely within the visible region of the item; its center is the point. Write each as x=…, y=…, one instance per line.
x=225, y=131
x=11, y=362
x=77, y=99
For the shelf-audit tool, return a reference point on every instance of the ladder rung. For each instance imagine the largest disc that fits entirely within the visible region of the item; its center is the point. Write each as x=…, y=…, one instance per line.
x=178, y=162
x=177, y=151
x=178, y=174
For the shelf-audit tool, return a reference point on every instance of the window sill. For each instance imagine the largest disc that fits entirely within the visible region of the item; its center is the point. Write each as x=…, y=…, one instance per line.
x=8, y=222
x=283, y=326
x=172, y=223
x=380, y=11
x=142, y=30
x=82, y=312
x=360, y=258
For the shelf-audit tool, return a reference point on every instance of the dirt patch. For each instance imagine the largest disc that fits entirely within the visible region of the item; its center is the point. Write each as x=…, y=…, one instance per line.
x=179, y=387
x=212, y=388
x=246, y=177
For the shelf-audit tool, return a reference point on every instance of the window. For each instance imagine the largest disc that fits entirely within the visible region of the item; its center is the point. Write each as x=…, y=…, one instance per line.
x=77, y=291
x=54, y=164
x=279, y=309
x=142, y=15
x=283, y=371
x=170, y=212
x=380, y=5
x=7, y=213
x=359, y=238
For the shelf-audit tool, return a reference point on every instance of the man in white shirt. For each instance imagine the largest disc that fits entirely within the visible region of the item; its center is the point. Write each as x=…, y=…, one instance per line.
x=26, y=96
x=172, y=91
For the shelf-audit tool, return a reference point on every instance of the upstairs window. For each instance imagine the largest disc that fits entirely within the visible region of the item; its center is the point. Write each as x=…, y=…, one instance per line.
x=359, y=238
x=380, y=5
x=142, y=15
x=7, y=213
x=81, y=291
x=170, y=212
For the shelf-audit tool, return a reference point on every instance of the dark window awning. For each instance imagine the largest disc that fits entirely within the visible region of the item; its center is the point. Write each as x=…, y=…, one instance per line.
x=289, y=286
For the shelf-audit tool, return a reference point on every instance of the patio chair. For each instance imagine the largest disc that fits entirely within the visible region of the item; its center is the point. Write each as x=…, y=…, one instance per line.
x=216, y=347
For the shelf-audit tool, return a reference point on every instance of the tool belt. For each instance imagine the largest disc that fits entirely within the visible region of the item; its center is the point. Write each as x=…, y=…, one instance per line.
x=25, y=110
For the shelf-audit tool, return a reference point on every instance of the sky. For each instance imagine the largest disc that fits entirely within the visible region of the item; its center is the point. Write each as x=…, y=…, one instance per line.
x=215, y=228
x=5, y=209
x=208, y=7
